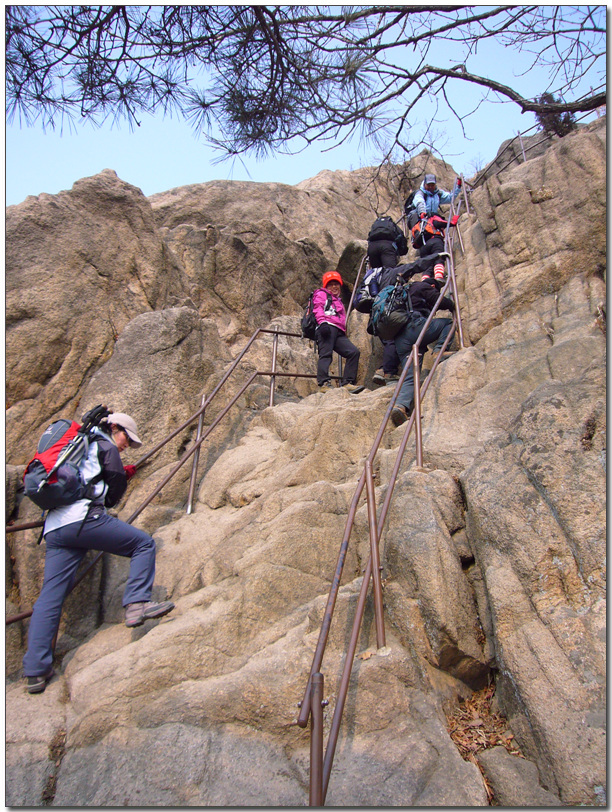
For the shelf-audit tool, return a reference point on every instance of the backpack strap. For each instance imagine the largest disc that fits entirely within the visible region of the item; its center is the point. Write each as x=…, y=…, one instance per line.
x=410, y=307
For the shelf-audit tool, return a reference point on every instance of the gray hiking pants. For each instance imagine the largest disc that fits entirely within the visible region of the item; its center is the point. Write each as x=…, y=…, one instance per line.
x=66, y=548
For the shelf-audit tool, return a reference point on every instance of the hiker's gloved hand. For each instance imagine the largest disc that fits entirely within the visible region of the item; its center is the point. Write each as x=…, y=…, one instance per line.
x=130, y=470
x=454, y=220
x=422, y=215
x=459, y=183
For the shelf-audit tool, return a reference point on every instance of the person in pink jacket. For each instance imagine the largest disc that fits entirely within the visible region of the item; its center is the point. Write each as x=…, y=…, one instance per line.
x=331, y=334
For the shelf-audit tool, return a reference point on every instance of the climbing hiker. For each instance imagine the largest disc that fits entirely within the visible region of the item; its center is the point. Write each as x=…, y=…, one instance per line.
x=423, y=295
x=428, y=233
x=386, y=243
x=331, y=335
x=388, y=374
x=428, y=198
x=70, y=531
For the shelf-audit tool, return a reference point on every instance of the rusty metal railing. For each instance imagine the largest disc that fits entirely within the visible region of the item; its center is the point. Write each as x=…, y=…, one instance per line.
x=482, y=174
x=201, y=436
x=312, y=702
x=372, y=569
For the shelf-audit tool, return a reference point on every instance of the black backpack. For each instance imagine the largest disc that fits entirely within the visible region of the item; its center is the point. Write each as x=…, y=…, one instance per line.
x=383, y=228
x=309, y=322
x=401, y=244
x=412, y=218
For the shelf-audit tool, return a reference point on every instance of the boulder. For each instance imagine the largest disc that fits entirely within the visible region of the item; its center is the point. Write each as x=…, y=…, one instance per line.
x=492, y=555
x=514, y=781
x=79, y=266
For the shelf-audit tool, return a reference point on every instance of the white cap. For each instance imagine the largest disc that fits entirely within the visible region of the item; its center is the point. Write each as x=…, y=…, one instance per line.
x=129, y=424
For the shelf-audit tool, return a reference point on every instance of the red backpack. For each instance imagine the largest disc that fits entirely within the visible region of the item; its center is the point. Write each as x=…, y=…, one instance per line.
x=53, y=477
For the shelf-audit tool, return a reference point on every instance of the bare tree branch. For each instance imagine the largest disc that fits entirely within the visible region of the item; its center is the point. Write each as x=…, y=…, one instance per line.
x=265, y=78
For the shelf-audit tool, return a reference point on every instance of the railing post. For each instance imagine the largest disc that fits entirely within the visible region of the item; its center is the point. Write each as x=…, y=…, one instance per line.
x=375, y=556
x=457, y=309
x=460, y=238
x=465, y=196
x=448, y=245
x=196, y=459
x=316, y=740
x=349, y=309
x=520, y=138
x=417, y=406
x=334, y=730
x=273, y=376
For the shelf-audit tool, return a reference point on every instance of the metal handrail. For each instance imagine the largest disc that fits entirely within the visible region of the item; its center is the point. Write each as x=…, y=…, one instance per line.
x=317, y=659
x=480, y=176
x=320, y=778
x=196, y=459
x=200, y=438
x=212, y=395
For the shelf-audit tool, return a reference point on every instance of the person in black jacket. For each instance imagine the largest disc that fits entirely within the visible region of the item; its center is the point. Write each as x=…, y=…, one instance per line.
x=389, y=372
x=424, y=295
x=71, y=530
x=386, y=243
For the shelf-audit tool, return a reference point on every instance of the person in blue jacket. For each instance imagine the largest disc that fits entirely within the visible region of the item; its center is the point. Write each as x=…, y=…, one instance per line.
x=71, y=530
x=427, y=200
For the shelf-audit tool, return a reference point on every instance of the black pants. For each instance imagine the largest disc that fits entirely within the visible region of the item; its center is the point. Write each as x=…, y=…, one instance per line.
x=382, y=254
x=330, y=339
x=391, y=361
x=422, y=265
x=434, y=245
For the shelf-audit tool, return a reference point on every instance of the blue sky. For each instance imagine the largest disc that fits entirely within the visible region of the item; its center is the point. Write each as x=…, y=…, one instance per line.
x=164, y=153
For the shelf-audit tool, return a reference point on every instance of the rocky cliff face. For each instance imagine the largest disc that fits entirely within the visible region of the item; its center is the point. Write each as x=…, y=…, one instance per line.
x=494, y=551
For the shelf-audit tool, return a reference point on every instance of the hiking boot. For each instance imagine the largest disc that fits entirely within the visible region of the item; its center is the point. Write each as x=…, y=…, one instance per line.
x=36, y=685
x=353, y=388
x=326, y=387
x=399, y=415
x=379, y=377
x=391, y=378
x=137, y=613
